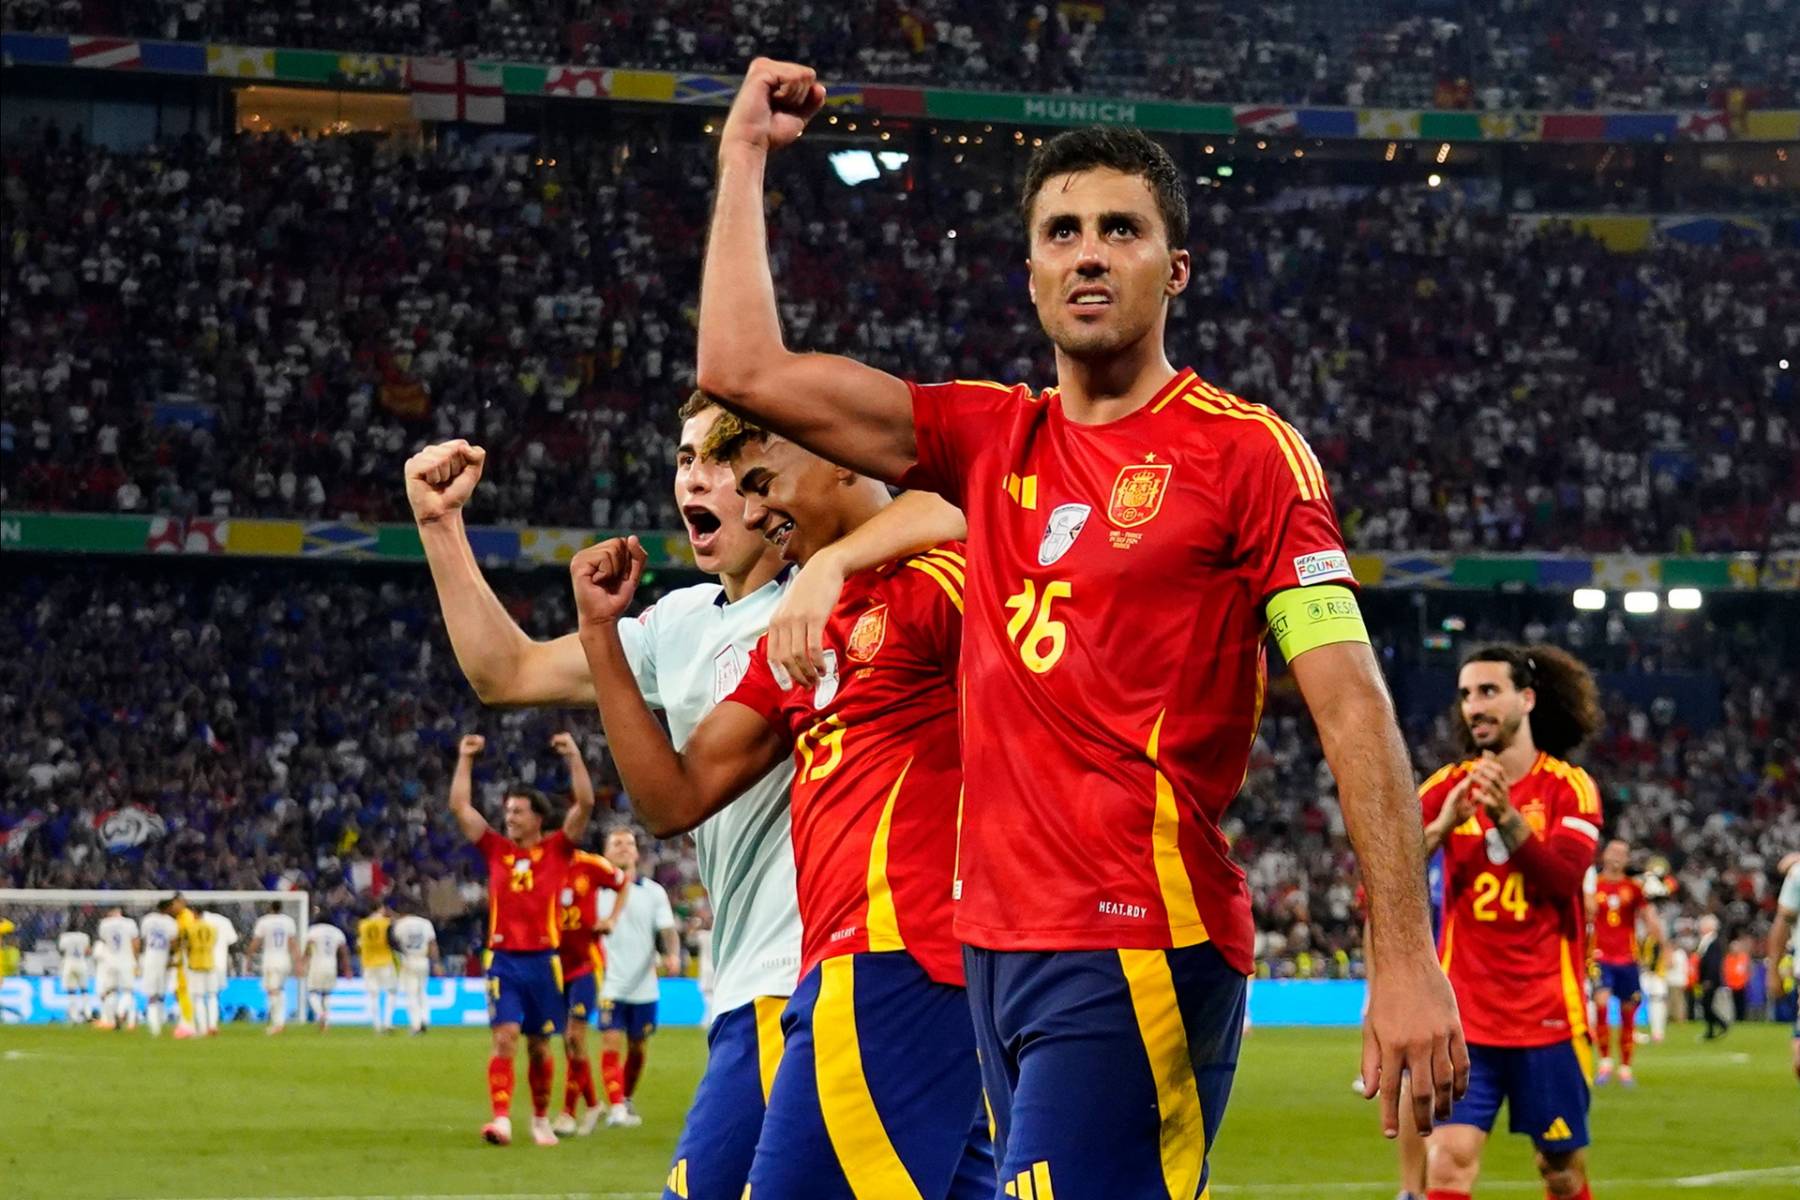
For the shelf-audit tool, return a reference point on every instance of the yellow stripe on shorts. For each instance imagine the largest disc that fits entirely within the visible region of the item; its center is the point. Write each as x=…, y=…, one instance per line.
x=769, y=1042
x=1152, y=987
x=864, y=1151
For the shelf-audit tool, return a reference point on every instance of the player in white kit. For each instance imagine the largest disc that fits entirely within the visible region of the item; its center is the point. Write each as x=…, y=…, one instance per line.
x=688, y=652
x=643, y=939
x=77, y=972
x=226, y=937
x=417, y=940
x=327, y=956
x=115, y=969
x=274, y=937
x=161, y=936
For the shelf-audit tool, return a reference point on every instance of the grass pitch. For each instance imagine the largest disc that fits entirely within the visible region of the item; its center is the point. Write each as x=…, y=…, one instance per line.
x=85, y=1114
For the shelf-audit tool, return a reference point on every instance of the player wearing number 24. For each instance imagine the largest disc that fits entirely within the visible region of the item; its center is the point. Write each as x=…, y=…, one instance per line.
x=1519, y=826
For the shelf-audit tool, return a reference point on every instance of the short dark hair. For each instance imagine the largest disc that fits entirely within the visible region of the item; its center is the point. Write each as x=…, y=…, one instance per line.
x=1119, y=148
x=696, y=403
x=540, y=803
x=728, y=437
x=1567, y=712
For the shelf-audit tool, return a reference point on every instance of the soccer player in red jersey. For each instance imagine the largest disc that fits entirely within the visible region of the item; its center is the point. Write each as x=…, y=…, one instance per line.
x=1518, y=825
x=1614, y=908
x=878, y=1089
x=525, y=875
x=1134, y=535
x=582, y=956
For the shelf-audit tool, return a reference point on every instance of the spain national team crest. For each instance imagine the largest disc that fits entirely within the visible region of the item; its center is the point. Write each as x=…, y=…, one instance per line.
x=1060, y=531
x=1137, y=493
x=870, y=632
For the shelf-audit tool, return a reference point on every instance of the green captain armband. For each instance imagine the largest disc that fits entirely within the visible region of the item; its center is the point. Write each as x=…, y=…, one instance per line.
x=1305, y=618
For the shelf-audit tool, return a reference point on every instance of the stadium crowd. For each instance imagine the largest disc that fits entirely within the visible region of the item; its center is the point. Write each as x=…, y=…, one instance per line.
x=1607, y=54
x=286, y=725
x=258, y=326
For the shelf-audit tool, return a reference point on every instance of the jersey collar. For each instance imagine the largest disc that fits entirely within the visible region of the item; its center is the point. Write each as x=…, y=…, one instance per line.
x=779, y=582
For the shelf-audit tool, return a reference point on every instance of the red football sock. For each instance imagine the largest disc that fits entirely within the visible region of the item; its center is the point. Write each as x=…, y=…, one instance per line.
x=634, y=1066
x=587, y=1081
x=1602, y=1030
x=572, y=1084
x=612, y=1073
x=541, y=1073
x=1583, y=1194
x=1445, y=1194
x=1627, y=1019
x=500, y=1084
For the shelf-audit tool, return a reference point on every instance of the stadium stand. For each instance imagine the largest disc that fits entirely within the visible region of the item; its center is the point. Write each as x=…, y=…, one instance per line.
x=257, y=326
x=1451, y=54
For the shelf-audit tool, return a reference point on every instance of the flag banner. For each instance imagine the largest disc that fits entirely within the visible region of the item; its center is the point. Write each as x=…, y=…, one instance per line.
x=449, y=89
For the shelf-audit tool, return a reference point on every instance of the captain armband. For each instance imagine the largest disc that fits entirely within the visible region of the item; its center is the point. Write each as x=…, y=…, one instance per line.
x=1305, y=618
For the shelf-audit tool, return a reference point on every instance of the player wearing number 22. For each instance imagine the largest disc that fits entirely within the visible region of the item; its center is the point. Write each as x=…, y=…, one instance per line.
x=1518, y=826
x=877, y=1095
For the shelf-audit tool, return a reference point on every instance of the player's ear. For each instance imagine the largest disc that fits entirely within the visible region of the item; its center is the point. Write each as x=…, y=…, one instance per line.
x=1528, y=698
x=845, y=476
x=1181, y=265
x=1030, y=282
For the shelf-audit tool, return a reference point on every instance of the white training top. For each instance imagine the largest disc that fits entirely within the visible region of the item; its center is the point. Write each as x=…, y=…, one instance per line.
x=631, y=949
x=1790, y=900
x=414, y=935
x=118, y=941
x=160, y=935
x=689, y=651
x=74, y=947
x=323, y=943
x=228, y=938
x=277, y=933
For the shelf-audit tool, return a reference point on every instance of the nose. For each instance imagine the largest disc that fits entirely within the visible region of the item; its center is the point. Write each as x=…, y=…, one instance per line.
x=1092, y=257
x=754, y=512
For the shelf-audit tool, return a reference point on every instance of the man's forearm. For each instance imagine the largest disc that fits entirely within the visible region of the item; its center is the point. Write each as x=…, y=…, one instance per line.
x=488, y=643
x=462, y=801
x=740, y=327
x=651, y=770
x=914, y=522
x=581, y=787
x=1375, y=790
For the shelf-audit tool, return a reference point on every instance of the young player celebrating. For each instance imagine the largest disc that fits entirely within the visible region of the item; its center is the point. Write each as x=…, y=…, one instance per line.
x=1519, y=826
x=878, y=1090
x=115, y=966
x=419, y=960
x=1615, y=907
x=375, y=947
x=583, y=963
x=641, y=939
x=687, y=653
x=327, y=959
x=1131, y=508
x=272, y=940
x=525, y=873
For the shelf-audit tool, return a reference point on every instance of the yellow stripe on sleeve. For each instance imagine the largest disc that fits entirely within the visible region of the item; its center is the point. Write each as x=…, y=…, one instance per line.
x=953, y=567
x=883, y=923
x=1437, y=777
x=1308, y=460
x=1301, y=477
x=950, y=589
x=865, y=1152
x=1185, y=925
x=769, y=1040
x=1183, y=1132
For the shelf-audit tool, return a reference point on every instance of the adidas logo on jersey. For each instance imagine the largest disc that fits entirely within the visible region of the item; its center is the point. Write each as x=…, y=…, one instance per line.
x=1558, y=1131
x=1033, y=1184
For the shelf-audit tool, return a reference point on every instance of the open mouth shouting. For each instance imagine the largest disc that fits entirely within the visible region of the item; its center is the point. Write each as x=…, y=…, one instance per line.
x=702, y=527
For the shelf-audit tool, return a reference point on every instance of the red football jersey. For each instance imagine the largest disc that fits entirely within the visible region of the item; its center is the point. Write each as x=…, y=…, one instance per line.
x=1617, y=903
x=522, y=890
x=1114, y=652
x=582, y=953
x=1515, y=955
x=877, y=779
